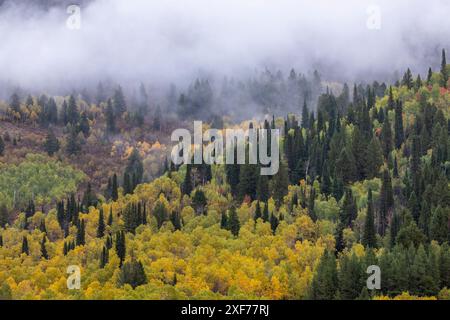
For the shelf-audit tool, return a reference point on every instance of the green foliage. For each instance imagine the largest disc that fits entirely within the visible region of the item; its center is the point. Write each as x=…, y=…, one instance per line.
x=37, y=177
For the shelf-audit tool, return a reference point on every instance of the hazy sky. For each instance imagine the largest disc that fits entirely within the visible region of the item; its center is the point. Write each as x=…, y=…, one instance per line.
x=169, y=40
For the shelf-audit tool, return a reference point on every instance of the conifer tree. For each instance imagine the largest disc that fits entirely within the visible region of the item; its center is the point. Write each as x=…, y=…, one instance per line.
x=25, y=248
x=224, y=221
x=44, y=253
x=258, y=213
x=386, y=201
x=439, y=224
x=374, y=158
x=386, y=138
x=120, y=246
x=399, y=134
x=369, y=236
x=444, y=71
x=132, y=273
x=100, y=225
x=119, y=103
x=2, y=146
x=104, y=257
x=233, y=222
x=51, y=143
x=187, y=183
x=325, y=280
x=72, y=111
x=110, y=119
x=4, y=217
x=265, y=215
x=114, y=187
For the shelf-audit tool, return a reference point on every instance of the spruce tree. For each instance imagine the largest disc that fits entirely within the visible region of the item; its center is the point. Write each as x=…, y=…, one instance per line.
x=386, y=201
x=439, y=224
x=4, y=217
x=119, y=103
x=186, y=187
x=44, y=253
x=265, y=215
x=2, y=146
x=325, y=280
x=104, y=257
x=25, y=248
x=233, y=222
x=444, y=71
x=132, y=273
x=121, y=246
x=258, y=213
x=399, y=134
x=100, y=225
x=51, y=143
x=110, y=119
x=114, y=188
x=369, y=235
x=386, y=138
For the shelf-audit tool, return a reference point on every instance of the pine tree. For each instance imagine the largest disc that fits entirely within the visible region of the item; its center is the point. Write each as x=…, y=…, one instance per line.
x=258, y=213
x=350, y=277
x=2, y=146
x=72, y=111
x=81, y=233
x=132, y=273
x=121, y=246
x=265, y=215
x=187, y=183
x=399, y=134
x=369, y=236
x=199, y=202
x=262, y=188
x=279, y=184
x=4, y=216
x=274, y=222
x=374, y=158
x=444, y=71
x=135, y=168
x=439, y=224
x=110, y=119
x=386, y=201
x=119, y=103
x=224, y=221
x=51, y=143
x=386, y=138
x=429, y=76
x=25, y=248
x=73, y=146
x=110, y=216
x=114, y=187
x=44, y=253
x=325, y=280
x=233, y=222
x=349, y=209
x=100, y=225
x=104, y=257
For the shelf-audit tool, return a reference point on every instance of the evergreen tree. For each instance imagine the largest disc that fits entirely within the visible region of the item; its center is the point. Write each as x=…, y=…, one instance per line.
x=386, y=138
x=374, y=158
x=265, y=215
x=386, y=201
x=104, y=257
x=369, y=236
x=4, y=217
x=120, y=246
x=119, y=103
x=81, y=233
x=444, y=71
x=279, y=184
x=233, y=222
x=258, y=214
x=100, y=225
x=25, y=248
x=350, y=277
x=187, y=183
x=110, y=119
x=72, y=111
x=325, y=280
x=51, y=143
x=84, y=126
x=199, y=201
x=135, y=168
x=439, y=224
x=73, y=146
x=274, y=222
x=114, y=191
x=224, y=221
x=44, y=253
x=399, y=134
x=262, y=188
x=132, y=273
x=2, y=146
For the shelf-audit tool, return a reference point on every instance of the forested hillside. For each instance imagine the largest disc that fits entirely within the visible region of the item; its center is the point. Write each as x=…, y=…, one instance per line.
x=86, y=180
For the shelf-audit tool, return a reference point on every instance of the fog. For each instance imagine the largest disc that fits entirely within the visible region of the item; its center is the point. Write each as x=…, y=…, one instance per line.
x=173, y=41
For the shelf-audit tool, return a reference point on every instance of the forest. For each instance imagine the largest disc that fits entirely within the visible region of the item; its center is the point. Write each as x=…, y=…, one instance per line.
x=86, y=180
